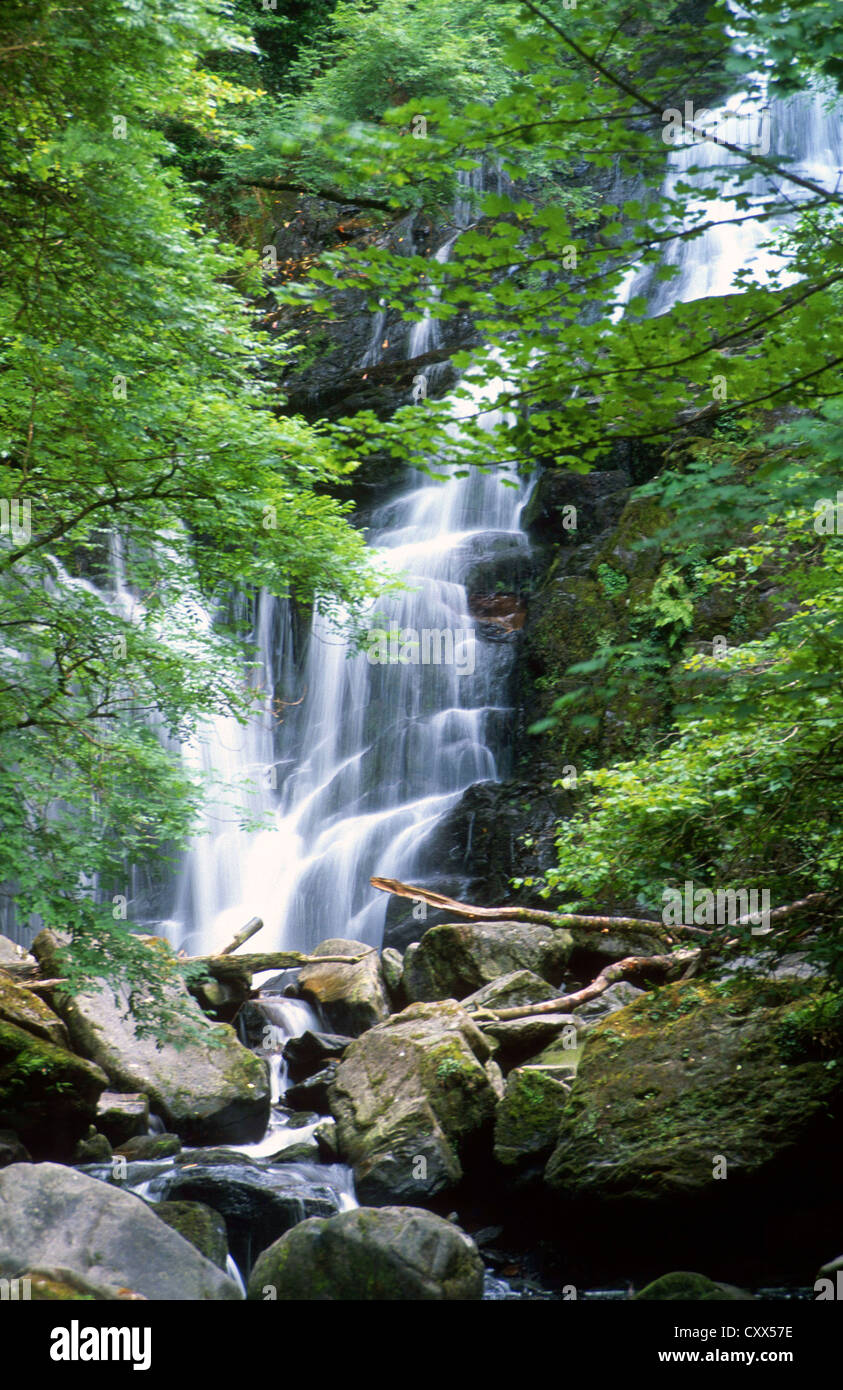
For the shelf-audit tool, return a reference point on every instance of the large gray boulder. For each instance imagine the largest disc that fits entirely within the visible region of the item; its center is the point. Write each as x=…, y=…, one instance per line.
x=350, y=998
x=456, y=959
x=408, y=1096
x=388, y=1254
x=14, y=954
x=512, y=991
x=209, y=1092
x=51, y=1216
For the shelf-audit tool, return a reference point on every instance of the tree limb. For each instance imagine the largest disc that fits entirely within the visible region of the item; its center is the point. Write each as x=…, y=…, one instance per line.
x=514, y=913
x=621, y=970
x=252, y=927
x=223, y=967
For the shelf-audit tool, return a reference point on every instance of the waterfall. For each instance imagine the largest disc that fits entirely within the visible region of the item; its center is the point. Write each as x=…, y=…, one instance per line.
x=803, y=134
x=379, y=744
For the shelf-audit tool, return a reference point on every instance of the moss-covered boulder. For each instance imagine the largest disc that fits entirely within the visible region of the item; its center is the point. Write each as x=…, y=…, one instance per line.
x=94, y=1148
x=527, y=1119
x=456, y=959
x=48, y=1097
x=351, y=998
x=122, y=1116
x=26, y=1009
x=408, y=1097
x=209, y=1089
x=390, y=1254
x=517, y=1040
x=146, y=1147
x=199, y=1224
x=686, y=1287
x=697, y=1084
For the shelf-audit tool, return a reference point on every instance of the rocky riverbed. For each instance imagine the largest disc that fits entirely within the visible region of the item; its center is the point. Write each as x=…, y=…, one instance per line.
x=376, y=1130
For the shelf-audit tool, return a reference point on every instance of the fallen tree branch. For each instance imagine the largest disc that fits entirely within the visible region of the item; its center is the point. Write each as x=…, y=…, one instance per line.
x=579, y=919
x=20, y=970
x=750, y=919
x=632, y=965
x=251, y=928
x=515, y=913
x=222, y=967
x=41, y=984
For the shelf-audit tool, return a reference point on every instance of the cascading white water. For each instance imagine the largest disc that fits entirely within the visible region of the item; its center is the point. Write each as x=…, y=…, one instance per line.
x=376, y=752
x=803, y=134
x=375, y=755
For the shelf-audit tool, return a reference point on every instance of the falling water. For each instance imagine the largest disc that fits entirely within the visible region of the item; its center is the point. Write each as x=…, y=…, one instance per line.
x=803, y=134
x=371, y=754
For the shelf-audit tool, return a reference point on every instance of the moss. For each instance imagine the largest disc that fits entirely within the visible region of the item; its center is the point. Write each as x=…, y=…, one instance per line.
x=689, y=1287
x=574, y=617
x=198, y=1223
x=688, y=1072
x=23, y=1008
x=527, y=1120
x=46, y=1289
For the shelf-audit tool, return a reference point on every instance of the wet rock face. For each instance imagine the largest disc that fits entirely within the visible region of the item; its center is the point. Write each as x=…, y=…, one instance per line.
x=598, y=500
x=390, y=1254
x=51, y=1216
x=695, y=1083
x=213, y=1092
x=457, y=958
x=476, y=849
x=408, y=1097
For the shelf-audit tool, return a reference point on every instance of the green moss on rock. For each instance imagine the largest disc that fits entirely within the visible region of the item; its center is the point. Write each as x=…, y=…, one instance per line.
x=690, y=1072
x=47, y=1095
x=527, y=1119
x=200, y=1224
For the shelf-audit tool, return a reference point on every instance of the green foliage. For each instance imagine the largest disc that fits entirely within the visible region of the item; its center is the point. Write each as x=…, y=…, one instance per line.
x=140, y=425
x=611, y=581
x=583, y=89
x=814, y=1030
x=746, y=792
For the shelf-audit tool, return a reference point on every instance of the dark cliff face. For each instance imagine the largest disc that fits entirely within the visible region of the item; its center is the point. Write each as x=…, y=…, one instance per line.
x=356, y=359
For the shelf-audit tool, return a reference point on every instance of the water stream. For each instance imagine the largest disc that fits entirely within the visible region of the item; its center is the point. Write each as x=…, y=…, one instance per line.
x=374, y=748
